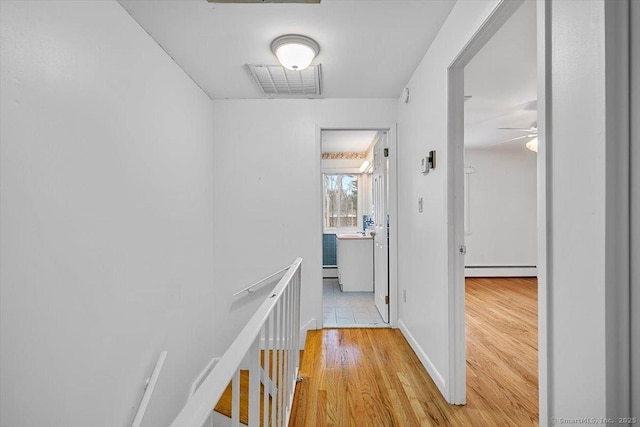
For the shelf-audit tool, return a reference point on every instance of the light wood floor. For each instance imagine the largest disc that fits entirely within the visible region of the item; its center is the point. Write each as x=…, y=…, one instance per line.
x=371, y=377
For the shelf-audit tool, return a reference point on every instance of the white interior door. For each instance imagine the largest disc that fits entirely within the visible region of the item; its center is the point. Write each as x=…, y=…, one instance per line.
x=380, y=238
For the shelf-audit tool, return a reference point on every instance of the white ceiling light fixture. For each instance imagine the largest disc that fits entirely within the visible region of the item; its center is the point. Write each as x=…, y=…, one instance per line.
x=532, y=145
x=295, y=52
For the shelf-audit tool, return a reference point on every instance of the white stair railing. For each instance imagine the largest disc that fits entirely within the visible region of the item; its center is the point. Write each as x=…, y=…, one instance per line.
x=273, y=333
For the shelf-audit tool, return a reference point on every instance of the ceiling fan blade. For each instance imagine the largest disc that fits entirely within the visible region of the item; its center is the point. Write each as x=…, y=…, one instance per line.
x=530, y=130
x=517, y=138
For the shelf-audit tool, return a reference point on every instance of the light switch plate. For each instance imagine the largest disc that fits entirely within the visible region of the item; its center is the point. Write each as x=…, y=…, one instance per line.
x=420, y=204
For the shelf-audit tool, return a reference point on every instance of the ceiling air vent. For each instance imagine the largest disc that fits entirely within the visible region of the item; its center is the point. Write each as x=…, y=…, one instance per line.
x=275, y=81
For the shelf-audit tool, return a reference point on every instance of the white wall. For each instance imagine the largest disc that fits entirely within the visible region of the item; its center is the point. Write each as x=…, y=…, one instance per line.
x=106, y=218
x=268, y=209
x=586, y=248
x=502, y=207
x=422, y=258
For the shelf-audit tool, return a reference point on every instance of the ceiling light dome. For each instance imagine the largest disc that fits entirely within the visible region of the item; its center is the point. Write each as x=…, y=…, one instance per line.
x=295, y=52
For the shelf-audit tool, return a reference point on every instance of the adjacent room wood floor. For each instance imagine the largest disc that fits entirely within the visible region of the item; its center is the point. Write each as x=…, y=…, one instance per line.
x=371, y=377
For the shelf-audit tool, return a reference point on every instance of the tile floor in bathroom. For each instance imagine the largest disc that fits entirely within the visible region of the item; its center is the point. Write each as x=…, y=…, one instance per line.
x=348, y=309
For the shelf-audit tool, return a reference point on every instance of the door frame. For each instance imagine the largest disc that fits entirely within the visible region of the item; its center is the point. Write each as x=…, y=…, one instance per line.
x=634, y=159
x=392, y=200
x=456, y=392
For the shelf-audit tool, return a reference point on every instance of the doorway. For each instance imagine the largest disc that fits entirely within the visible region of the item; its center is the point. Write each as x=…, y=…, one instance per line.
x=527, y=120
x=500, y=217
x=357, y=204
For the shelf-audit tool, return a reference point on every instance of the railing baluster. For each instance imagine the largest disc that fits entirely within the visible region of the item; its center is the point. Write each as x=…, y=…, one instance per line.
x=254, y=383
x=274, y=367
x=281, y=386
x=289, y=345
x=299, y=276
x=266, y=382
x=274, y=364
x=285, y=359
x=277, y=323
x=294, y=341
x=235, y=400
x=288, y=352
x=297, y=318
x=276, y=370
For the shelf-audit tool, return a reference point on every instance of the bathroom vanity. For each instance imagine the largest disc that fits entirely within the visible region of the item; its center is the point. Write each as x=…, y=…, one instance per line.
x=355, y=262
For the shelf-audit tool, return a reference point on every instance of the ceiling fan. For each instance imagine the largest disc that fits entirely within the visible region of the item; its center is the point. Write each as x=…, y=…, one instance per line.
x=531, y=133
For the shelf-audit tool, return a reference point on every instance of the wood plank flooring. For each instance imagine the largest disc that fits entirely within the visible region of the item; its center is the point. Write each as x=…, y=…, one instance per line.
x=224, y=404
x=371, y=377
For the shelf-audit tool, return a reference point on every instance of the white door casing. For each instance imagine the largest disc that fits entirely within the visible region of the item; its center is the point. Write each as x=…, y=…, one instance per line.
x=455, y=390
x=380, y=239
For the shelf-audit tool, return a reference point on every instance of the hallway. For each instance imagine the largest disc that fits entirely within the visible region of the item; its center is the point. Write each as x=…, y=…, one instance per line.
x=371, y=377
x=159, y=159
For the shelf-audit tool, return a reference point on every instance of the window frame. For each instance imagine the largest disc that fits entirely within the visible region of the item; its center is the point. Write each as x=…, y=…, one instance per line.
x=359, y=205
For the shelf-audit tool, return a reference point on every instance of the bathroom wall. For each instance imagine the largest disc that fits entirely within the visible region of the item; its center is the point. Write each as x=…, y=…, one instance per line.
x=106, y=216
x=328, y=249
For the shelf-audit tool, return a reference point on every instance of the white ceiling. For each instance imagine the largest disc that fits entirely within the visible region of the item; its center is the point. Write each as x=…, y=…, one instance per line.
x=502, y=81
x=368, y=48
x=341, y=141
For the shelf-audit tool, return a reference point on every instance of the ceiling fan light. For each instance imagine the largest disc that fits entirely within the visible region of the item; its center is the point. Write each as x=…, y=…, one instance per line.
x=532, y=145
x=295, y=52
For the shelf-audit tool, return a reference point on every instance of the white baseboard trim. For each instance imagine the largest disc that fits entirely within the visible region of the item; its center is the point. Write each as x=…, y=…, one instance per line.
x=501, y=271
x=426, y=362
x=310, y=325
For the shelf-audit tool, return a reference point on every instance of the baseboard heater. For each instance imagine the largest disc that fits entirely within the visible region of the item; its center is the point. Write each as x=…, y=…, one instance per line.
x=329, y=271
x=501, y=271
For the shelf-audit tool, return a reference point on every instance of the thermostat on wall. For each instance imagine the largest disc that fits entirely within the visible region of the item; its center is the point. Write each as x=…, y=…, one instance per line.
x=424, y=165
x=429, y=162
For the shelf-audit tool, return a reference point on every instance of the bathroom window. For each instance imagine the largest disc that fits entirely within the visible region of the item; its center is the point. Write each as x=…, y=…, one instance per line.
x=341, y=210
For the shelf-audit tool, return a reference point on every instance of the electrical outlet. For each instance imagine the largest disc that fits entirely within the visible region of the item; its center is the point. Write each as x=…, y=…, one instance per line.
x=404, y=295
